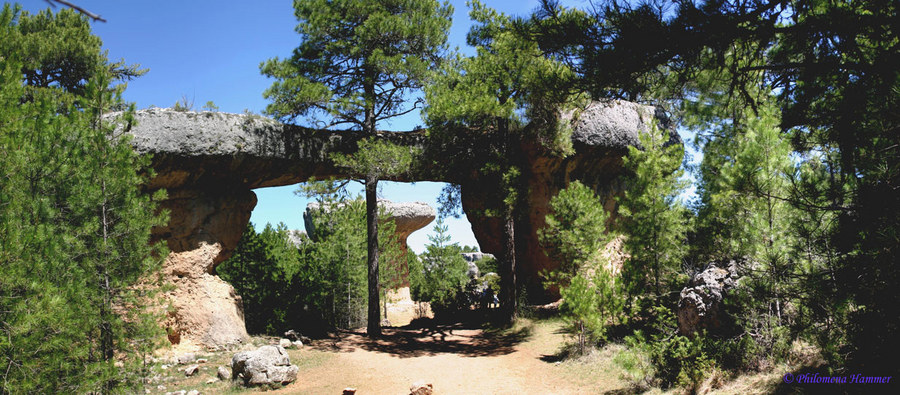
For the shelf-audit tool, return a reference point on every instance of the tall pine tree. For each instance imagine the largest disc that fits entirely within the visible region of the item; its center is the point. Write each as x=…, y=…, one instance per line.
x=651, y=215
x=75, y=252
x=357, y=63
x=507, y=85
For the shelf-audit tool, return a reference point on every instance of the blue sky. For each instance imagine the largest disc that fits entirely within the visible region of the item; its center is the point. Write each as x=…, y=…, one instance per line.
x=210, y=50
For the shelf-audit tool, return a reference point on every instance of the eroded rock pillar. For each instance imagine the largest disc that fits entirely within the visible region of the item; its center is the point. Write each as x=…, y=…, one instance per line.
x=204, y=228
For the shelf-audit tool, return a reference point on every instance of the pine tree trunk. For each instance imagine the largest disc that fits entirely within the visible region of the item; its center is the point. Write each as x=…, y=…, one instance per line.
x=374, y=325
x=508, y=265
x=508, y=271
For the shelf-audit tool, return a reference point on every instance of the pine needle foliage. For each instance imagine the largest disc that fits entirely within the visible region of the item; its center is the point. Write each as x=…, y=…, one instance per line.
x=76, y=262
x=651, y=216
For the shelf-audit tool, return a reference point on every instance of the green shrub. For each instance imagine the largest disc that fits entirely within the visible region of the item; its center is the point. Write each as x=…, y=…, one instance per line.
x=319, y=285
x=676, y=360
x=590, y=302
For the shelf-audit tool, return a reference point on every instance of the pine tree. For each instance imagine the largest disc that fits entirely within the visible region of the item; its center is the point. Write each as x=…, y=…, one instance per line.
x=574, y=235
x=652, y=217
x=356, y=64
x=441, y=274
x=75, y=255
x=576, y=228
x=506, y=85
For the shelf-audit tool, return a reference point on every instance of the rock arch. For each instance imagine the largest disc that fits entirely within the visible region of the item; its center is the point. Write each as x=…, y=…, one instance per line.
x=210, y=162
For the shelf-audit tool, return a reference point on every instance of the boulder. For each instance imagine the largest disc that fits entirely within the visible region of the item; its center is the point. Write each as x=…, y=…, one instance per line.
x=701, y=304
x=185, y=359
x=284, y=343
x=267, y=365
x=471, y=258
x=296, y=336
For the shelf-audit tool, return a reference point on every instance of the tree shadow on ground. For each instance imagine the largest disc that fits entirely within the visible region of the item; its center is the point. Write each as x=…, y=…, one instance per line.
x=427, y=338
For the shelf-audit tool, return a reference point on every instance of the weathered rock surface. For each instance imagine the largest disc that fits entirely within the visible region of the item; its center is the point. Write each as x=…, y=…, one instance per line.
x=267, y=365
x=210, y=162
x=408, y=216
x=202, y=232
x=701, y=304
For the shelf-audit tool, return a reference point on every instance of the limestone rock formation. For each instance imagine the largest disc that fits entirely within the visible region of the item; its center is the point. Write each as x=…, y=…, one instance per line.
x=210, y=162
x=202, y=232
x=471, y=258
x=601, y=134
x=701, y=304
x=408, y=217
x=267, y=365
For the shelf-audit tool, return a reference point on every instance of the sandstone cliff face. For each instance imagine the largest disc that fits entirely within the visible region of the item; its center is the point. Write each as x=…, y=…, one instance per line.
x=210, y=162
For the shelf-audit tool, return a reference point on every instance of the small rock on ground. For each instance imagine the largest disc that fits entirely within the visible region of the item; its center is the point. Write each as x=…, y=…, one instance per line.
x=191, y=370
x=421, y=388
x=186, y=358
x=223, y=373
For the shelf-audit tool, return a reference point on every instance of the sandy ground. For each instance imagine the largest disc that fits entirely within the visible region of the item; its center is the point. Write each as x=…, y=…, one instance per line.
x=455, y=360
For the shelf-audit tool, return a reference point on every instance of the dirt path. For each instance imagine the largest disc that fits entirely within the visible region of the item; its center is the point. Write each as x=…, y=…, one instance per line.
x=455, y=360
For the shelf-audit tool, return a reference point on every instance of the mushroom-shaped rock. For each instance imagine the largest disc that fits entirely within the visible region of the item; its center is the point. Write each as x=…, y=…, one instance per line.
x=407, y=216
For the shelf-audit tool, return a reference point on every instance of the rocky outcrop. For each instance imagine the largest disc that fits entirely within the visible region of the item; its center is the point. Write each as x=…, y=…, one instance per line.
x=210, y=162
x=267, y=365
x=701, y=306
